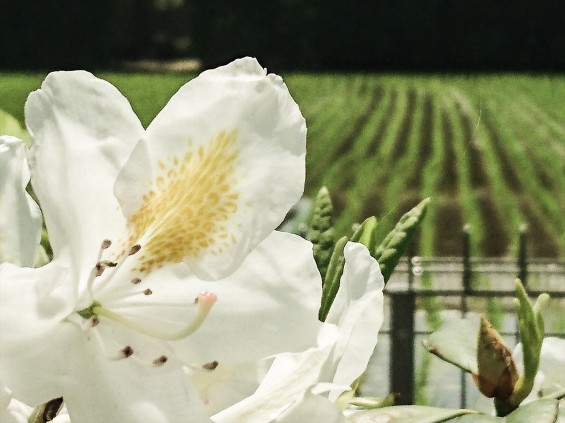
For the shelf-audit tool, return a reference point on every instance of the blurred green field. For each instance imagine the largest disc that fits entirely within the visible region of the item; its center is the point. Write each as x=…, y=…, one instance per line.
x=488, y=149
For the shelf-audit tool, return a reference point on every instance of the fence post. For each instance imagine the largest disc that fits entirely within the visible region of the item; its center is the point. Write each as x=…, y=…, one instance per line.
x=466, y=267
x=523, y=254
x=403, y=307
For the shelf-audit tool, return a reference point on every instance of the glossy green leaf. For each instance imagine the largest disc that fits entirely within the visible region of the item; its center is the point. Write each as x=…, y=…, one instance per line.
x=321, y=232
x=540, y=411
x=389, y=252
x=456, y=342
x=407, y=414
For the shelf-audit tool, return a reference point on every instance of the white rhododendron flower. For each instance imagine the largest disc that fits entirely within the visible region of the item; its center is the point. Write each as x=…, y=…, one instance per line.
x=12, y=410
x=305, y=386
x=20, y=218
x=20, y=230
x=163, y=242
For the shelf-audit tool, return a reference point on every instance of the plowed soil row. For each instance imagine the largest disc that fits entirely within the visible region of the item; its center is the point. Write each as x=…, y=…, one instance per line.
x=401, y=143
x=448, y=226
x=448, y=179
x=377, y=140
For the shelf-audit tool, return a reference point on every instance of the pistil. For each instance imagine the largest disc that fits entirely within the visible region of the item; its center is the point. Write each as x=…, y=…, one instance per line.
x=204, y=303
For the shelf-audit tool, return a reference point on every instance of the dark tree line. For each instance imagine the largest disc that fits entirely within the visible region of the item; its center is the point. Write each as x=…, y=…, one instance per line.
x=412, y=35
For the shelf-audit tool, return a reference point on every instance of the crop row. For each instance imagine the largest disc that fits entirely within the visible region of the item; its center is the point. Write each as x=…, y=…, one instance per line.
x=486, y=150
x=489, y=150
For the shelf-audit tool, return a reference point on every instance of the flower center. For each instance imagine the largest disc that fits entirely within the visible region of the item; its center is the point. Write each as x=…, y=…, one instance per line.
x=190, y=205
x=203, y=302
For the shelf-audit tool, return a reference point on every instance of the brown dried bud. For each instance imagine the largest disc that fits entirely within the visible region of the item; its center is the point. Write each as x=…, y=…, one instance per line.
x=497, y=372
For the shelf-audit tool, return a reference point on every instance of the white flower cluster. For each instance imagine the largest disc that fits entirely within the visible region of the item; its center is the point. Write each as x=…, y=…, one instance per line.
x=170, y=297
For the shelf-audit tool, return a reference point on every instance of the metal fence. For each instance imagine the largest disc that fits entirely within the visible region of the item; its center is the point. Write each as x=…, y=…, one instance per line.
x=422, y=292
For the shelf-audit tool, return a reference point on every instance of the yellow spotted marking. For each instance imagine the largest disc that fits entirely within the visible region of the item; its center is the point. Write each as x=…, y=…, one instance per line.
x=189, y=206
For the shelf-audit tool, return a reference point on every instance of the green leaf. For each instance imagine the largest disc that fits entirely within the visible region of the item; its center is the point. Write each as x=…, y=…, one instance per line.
x=332, y=279
x=531, y=334
x=479, y=418
x=373, y=402
x=365, y=233
x=540, y=411
x=394, y=245
x=456, y=342
x=321, y=232
x=407, y=414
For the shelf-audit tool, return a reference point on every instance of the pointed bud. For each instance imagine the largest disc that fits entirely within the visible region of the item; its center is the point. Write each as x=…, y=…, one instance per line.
x=497, y=373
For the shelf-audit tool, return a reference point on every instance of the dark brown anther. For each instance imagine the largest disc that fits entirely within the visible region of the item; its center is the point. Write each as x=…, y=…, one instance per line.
x=147, y=292
x=134, y=249
x=135, y=281
x=106, y=244
x=110, y=263
x=95, y=320
x=100, y=267
x=160, y=361
x=127, y=351
x=211, y=365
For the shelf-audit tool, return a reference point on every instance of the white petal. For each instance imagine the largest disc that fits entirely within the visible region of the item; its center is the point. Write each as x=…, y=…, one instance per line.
x=290, y=377
x=33, y=338
x=312, y=408
x=127, y=390
x=20, y=218
x=269, y=305
x=228, y=383
x=219, y=169
x=83, y=130
x=358, y=312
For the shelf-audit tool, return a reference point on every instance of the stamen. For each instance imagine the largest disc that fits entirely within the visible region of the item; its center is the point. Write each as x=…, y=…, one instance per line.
x=147, y=292
x=100, y=267
x=94, y=320
x=135, y=281
x=127, y=351
x=134, y=249
x=211, y=365
x=205, y=302
x=117, y=264
x=160, y=361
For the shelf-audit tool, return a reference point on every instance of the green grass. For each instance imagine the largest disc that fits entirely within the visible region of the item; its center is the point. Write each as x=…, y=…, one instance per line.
x=488, y=149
